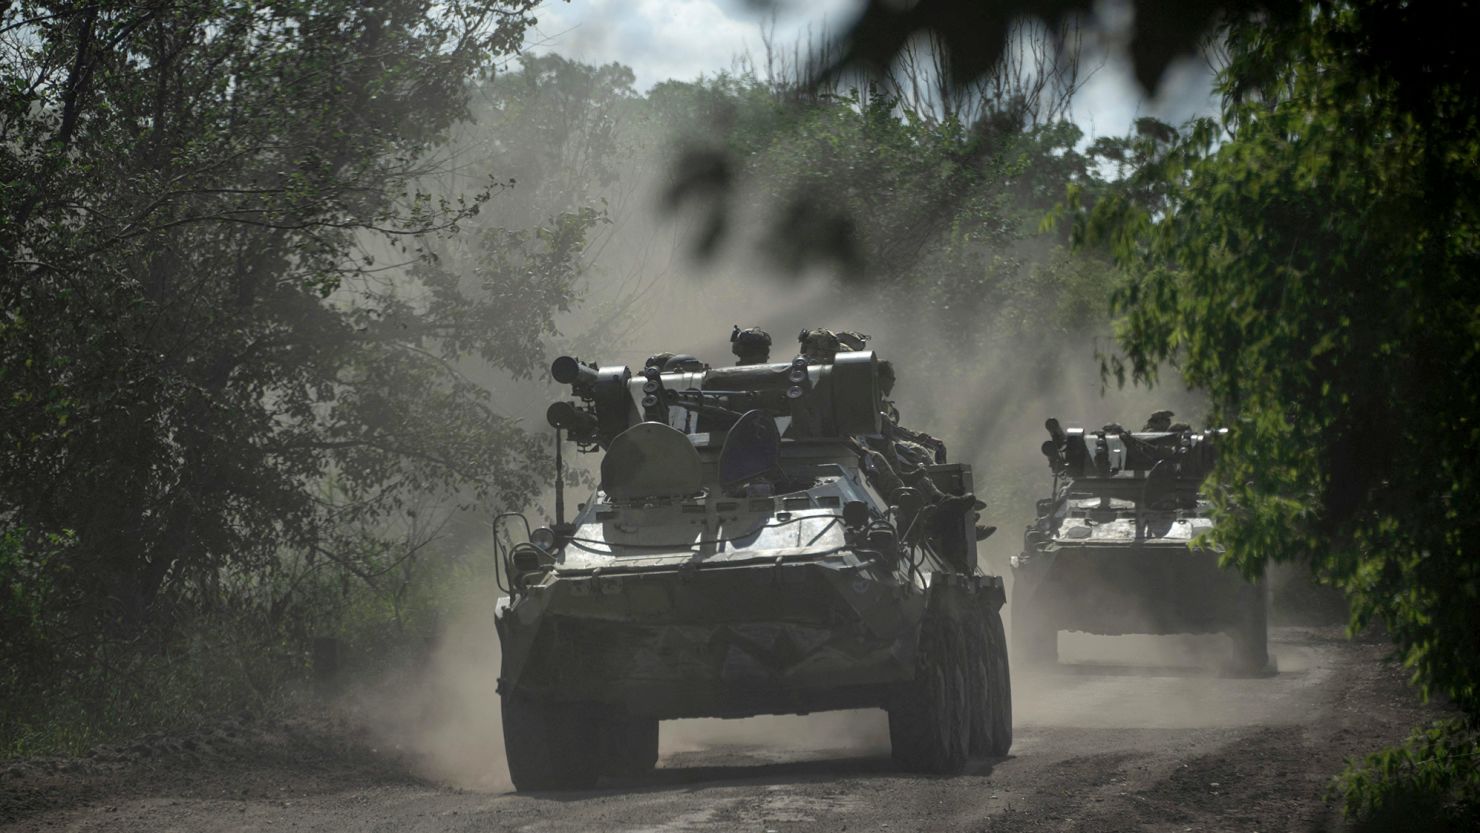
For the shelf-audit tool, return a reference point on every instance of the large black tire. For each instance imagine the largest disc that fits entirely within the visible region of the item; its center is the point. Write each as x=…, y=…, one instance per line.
x=1035, y=639
x=1251, y=633
x=928, y=728
x=629, y=746
x=958, y=680
x=549, y=746
x=999, y=682
x=978, y=664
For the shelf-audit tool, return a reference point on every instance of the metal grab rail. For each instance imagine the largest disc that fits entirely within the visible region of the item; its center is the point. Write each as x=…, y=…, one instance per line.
x=503, y=558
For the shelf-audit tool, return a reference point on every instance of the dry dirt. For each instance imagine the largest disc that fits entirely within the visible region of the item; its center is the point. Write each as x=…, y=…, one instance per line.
x=1116, y=738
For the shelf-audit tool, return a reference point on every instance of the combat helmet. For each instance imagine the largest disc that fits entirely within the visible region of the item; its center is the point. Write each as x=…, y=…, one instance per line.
x=822, y=345
x=751, y=345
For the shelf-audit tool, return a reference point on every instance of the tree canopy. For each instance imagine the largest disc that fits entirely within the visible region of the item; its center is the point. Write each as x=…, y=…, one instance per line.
x=224, y=334
x=1309, y=260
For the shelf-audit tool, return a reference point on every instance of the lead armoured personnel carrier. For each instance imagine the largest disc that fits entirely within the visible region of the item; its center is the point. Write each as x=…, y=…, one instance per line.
x=1114, y=549
x=738, y=559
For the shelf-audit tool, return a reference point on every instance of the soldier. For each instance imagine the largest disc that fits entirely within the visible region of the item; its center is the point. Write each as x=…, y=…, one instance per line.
x=890, y=471
x=886, y=390
x=897, y=458
x=750, y=346
x=921, y=447
x=822, y=345
x=1160, y=421
x=852, y=341
x=683, y=363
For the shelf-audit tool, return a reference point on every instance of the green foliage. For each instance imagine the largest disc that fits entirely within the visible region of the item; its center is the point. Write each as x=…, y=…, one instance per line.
x=94, y=693
x=230, y=366
x=32, y=588
x=1430, y=784
x=1309, y=260
x=215, y=205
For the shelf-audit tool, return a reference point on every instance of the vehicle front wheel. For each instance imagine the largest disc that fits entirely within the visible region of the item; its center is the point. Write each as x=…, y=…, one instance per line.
x=980, y=671
x=629, y=745
x=549, y=746
x=928, y=729
x=999, y=680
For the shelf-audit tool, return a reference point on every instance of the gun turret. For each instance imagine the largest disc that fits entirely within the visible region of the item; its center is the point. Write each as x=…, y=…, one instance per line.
x=605, y=408
x=1114, y=452
x=572, y=371
x=575, y=421
x=809, y=399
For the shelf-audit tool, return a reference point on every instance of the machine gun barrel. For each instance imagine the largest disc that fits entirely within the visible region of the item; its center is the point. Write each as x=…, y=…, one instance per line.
x=568, y=370
x=607, y=408
x=573, y=420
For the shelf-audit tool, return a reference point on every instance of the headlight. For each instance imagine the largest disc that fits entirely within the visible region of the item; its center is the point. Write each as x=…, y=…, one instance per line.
x=544, y=538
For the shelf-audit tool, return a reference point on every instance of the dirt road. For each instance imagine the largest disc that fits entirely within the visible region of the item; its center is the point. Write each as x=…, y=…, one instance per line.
x=1115, y=739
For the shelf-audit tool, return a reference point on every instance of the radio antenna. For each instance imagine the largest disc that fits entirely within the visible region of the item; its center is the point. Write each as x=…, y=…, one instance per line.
x=559, y=484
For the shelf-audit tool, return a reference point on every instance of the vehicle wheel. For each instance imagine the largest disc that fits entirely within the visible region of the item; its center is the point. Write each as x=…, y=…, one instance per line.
x=999, y=681
x=959, y=683
x=978, y=664
x=1035, y=640
x=1251, y=634
x=927, y=720
x=629, y=745
x=549, y=746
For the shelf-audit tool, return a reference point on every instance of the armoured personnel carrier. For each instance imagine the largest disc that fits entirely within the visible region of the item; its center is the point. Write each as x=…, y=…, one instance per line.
x=739, y=559
x=1114, y=549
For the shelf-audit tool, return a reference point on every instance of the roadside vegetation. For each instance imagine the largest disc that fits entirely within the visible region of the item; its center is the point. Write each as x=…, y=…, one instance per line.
x=1311, y=263
x=227, y=406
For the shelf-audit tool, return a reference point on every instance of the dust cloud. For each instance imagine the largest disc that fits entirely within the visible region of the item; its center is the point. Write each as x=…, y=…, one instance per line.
x=440, y=712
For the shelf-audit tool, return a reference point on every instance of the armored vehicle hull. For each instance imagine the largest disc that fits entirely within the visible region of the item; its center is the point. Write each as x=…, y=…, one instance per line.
x=722, y=642
x=1135, y=588
x=682, y=589
x=1117, y=549
x=604, y=645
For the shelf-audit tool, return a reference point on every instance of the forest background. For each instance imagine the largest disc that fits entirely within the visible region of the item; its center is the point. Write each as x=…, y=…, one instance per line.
x=281, y=280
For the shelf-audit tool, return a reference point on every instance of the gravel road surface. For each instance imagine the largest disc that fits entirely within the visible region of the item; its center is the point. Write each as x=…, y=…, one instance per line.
x=1124, y=735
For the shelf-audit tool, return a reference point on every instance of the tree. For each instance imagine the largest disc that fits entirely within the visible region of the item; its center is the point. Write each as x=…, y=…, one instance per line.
x=224, y=336
x=1309, y=259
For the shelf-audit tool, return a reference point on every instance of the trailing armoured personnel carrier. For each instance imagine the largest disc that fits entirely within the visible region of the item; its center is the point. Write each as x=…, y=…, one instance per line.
x=1114, y=548
x=738, y=559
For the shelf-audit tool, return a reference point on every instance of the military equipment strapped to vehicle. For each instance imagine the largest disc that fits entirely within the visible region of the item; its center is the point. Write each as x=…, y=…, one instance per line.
x=739, y=558
x=1114, y=548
